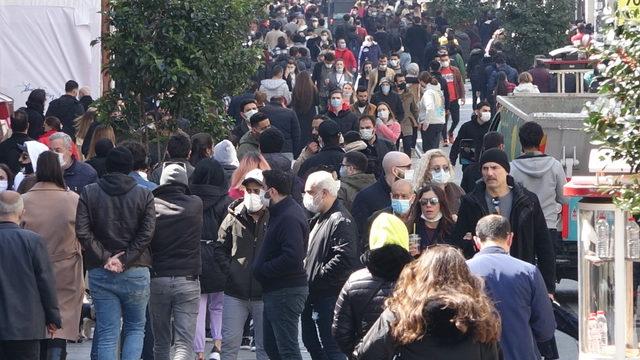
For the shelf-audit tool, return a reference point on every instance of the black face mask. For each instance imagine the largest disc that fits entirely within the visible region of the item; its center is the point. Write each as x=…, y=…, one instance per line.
x=402, y=86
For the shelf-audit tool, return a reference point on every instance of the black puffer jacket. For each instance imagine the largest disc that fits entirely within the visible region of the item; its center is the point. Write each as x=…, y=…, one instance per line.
x=362, y=297
x=114, y=215
x=214, y=269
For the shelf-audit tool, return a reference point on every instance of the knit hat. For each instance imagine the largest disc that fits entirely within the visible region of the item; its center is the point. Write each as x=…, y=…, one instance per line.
x=388, y=229
x=413, y=69
x=174, y=173
x=496, y=156
x=119, y=160
x=225, y=153
x=328, y=128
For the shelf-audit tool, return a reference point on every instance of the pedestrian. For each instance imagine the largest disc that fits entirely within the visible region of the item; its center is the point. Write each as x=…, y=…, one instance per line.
x=101, y=131
x=516, y=287
x=541, y=76
x=247, y=108
x=84, y=126
x=387, y=125
x=251, y=161
x=343, y=53
x=67, y=108
x=434, y=167
x=26, y=178
x=140, y=164
x=395, y=165
x=455, y=87
x=348, y=96
x=304, y=101
x=331, y=257
x=209, y=184
x=57, y=228
x=313, y=147
x=98, y=162
x=322, y=76
x=468, y=143
x=353, y=177
x=201, y=148
x=241, y=236
x=35, y=112
x=409, y=124
x=6, y=178
x=28, y=301
x=52, y=125
x=77, y=174
x=430, y=218
x=402, y=197
x=175, y=287
x=370, y=52
x=498, y=193
x=525, y=84
x=10, y=149
x=225, y=153
x=84, y=97
x=340, y=75
x=276, y=86
x=431, y=112
x=377, y=147
x=362, y=106
x=271, y=142
x=340, y=112
x=330, y=153
x=287, y=122
x=391, y=98
x=438, y=310
x=279, y=267
x=178, y=148
x=378, y=73
x=476, y=68
x=473, y=172
x=117, y=256
x=362, y=297
x=541, y=174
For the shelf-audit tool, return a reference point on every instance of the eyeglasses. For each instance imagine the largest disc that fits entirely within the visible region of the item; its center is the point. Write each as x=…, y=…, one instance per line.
x=431, y=201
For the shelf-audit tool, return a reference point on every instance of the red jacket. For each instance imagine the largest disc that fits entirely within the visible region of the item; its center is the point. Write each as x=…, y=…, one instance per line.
x=347, y=56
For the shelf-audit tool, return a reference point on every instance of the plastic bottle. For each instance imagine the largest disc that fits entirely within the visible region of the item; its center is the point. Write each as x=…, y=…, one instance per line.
x=633, y=239
x=603, y=232
x=604, y=330
x=593, y=334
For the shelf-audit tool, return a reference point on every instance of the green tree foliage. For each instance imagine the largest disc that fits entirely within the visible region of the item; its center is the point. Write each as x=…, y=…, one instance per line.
x=460, y=13
x=186, y=54
x=614, y=120
x=535, y=27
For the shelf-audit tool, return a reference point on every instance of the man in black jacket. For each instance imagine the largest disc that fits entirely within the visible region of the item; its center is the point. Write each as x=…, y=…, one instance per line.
x=340, y=113
x=28, y=299
x=377, y=148
x=330, y=154
x=471, y=133
x=241, y=234
x=279, y=267
x=331, y=256
x=175, y=289
x=287, y=122
x=499, y=194
x=9, y=150
x=473, y=172
x=115, y=222
x=67, y=108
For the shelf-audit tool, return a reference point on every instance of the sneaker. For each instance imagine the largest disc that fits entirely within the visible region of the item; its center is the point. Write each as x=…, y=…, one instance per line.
x=246, y=343
x=215, y=355
x=253, y=345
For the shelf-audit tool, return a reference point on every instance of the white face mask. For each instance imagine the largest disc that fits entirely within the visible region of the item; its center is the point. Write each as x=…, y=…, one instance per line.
x=393, y=63
x=485, y=116
x=347, y=94
x=435, y=219
x=263, y=198
x=339, y=69
x=366, y=134
x=440, y=176
x=445, y=64
x=4, y=185
x=250, y=113
x=252, y=202
x=61, y=159
x=310, y=203
x=383, y=115
x=385, y=89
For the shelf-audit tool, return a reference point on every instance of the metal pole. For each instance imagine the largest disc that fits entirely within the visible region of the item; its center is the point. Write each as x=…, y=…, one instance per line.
x=620, y=294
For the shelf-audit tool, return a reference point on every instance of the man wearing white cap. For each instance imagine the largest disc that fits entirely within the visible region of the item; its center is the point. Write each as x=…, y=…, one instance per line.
x=240, y=235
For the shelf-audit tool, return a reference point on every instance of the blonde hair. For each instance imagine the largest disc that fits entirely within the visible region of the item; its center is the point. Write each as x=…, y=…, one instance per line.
x=422, y=174
x=441, y=275
x=84, y=121
x=525, y=77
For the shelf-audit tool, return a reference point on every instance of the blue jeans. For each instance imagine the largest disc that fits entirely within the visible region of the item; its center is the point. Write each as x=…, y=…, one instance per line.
x=124, y=295
x=317, y=318
x=282, y=309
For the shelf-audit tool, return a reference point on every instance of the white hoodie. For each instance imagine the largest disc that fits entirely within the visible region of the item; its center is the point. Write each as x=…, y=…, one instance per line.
x=431, y=108
x=526, y=88
x=275, y=87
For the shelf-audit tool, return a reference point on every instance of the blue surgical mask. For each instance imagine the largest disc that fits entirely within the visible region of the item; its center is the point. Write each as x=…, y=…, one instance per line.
x=400, y=206
x=343, y=171
x=336, y=103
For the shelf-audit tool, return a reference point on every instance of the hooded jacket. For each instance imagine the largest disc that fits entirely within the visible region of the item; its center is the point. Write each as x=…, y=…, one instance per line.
x=331, y=253
x=176, y=243
x=214, y=208
x=240, y=238
x=471, y=130
x=544, y=176
x=531, y=242
x=114, y=215
x=275, y=87
x=351, y=185
x=248, y=143
x=526, y=88
x=361, y=300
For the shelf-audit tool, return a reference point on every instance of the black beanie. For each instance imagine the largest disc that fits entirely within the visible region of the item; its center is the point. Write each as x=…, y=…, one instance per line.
x=102, y=147
x=496, y=156
x=119, y=160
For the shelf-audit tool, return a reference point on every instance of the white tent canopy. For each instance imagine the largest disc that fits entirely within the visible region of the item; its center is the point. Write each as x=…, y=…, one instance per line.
x=44, y=43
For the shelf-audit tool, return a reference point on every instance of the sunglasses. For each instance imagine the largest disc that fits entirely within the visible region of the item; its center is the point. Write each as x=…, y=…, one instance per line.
x=432, y=201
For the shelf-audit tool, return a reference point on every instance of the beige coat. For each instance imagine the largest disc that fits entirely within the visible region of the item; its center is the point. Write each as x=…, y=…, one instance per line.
x=51, y=212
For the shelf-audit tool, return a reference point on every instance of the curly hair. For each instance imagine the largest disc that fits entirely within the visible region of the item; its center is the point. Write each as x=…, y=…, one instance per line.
x=422, y=175
x=441, y=274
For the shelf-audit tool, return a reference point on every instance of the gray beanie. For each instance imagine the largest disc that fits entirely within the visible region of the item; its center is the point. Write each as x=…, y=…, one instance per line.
x=174, y=173
x=413, y=69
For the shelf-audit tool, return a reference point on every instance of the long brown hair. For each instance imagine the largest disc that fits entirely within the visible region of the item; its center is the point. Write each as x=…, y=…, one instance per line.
x=84, y=121
x=101, y=132
x=441, y=274
x=447, y=222
x=304, y=93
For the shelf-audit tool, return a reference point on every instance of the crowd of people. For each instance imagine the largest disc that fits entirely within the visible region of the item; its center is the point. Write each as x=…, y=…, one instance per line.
x=318, y=212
